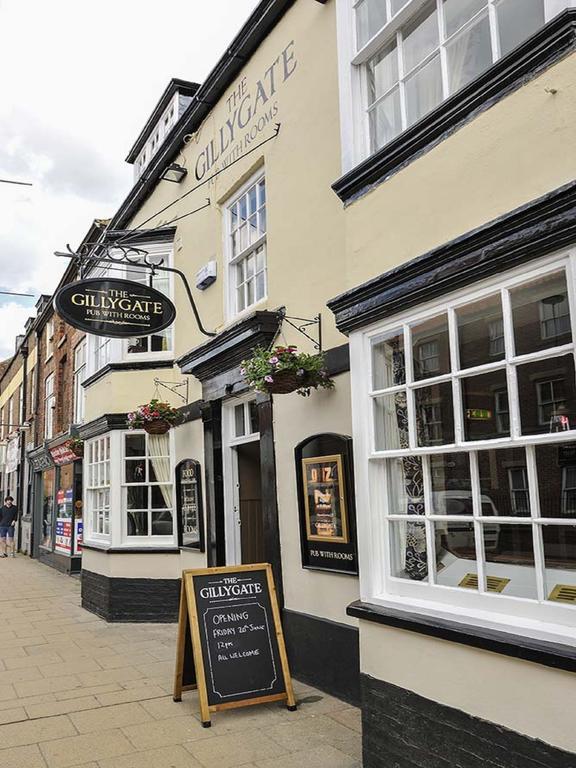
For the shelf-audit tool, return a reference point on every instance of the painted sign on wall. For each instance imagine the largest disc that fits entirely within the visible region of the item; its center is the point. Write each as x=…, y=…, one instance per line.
x=114, y=308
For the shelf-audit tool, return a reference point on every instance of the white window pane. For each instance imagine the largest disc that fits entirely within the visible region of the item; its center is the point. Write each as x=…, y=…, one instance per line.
x=370, y=18
x=406, y=486
x=262, y=221
x=458, y=12
x=469, y=54
x=240, y=303
x=242, y=208
x=409, y=556
x=391, y=422
x=260, y=285
x=510, y=555
x=250, y=266
x=239, y=428
x=455, y=553
x=260, y=259
x=385, y=120
x=250, y=292
x=262, y=192
x=420, y=37
x=252, y=194
x=517, y=20
x=243, y=237
x=253, y=228
x=382, y=72
x=388, y=363
x=423, y=90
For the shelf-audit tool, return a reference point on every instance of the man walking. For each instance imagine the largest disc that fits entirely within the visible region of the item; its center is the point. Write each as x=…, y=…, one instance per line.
x=8, y=515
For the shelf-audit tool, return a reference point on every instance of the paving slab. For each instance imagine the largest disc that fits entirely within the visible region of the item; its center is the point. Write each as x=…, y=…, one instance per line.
x=76, y=692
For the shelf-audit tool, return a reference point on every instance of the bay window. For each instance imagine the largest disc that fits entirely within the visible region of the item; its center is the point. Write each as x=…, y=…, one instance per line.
x=471, y=458
x=97, y=474
x=147, y=489
x=402, y=58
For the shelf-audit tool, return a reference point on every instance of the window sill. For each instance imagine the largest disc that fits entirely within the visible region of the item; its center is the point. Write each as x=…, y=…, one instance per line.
x=547, y=46
x=547, y=653
x=171, y=550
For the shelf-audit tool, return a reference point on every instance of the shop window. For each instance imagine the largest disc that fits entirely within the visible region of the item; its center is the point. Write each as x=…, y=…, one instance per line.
x=404, y=66
x=97, y=481
x=49, y=407
x=246, y=247
x=48, y=490
x=79, y=376
x=472, y=476
x=148, y=487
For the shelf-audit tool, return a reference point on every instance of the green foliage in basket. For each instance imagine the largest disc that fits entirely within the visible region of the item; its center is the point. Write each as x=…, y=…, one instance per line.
x=267, y=367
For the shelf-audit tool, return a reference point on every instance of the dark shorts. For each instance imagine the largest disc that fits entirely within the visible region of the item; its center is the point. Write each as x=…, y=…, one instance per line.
x=6, y=531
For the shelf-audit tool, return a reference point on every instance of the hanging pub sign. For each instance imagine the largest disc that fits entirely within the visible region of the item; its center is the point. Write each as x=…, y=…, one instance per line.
x=114, y=308
x=230, y=641
x=326, y=503
x=189, y=504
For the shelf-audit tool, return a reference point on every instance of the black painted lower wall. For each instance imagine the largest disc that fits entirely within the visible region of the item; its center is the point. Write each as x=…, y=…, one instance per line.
x=324, y=654
x=403, y=730
x=131, y=600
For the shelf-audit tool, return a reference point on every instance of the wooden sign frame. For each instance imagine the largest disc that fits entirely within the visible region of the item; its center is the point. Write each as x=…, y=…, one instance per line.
x=189, y=630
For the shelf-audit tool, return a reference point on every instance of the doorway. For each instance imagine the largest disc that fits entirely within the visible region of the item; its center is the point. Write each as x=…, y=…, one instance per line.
x=244, y=524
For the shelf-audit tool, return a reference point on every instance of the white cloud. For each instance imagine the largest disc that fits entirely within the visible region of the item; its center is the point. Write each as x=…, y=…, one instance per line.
x=83, y=80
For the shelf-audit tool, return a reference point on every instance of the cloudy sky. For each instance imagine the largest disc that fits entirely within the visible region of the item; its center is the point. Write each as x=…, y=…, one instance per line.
x=79, y=81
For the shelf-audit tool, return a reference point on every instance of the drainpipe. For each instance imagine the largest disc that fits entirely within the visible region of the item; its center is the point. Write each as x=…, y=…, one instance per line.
x=22, y=464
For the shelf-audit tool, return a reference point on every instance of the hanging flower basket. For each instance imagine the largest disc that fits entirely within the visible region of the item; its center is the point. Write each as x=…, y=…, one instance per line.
x=76, y=446
x=155, y=417
x=158, y=427
x=284, y=370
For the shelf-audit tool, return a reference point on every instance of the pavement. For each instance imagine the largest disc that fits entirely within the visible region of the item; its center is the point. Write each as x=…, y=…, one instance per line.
x=76, y=692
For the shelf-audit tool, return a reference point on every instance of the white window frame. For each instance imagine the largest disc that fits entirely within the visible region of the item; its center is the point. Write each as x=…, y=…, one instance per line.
x=156, y=138
x=149, y=540
x=79, y=374
x=97, y=486
x=232, y=312
x=49, y=405
x=49, y=339
x=354, y=128
x=538, y=618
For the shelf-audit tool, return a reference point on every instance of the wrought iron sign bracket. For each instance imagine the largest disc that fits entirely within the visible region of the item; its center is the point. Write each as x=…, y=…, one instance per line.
x=135, y=257
x=174, y=387
x=301, y=324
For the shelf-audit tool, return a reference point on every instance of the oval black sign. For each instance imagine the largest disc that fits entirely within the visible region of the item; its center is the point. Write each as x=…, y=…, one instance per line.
x=115, y=308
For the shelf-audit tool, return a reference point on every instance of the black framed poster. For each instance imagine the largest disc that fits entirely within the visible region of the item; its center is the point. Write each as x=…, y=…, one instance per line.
x=325, y=481
x=189, y=504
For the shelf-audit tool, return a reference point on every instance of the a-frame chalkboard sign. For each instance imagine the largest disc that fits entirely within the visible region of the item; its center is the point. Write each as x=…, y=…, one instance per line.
x=230, y=641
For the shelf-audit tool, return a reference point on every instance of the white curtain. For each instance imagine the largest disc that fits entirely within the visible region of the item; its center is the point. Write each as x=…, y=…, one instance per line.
x=159, y=450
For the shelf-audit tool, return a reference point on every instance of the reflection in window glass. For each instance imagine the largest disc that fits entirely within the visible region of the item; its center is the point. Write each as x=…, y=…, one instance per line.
x=458, y=12
x=541, y=315
x=409, y=559
x=397, y=5
x=469, y=53
x=388, y=368
x=431, y=348
x=504, y=482
x=239, y=430
x=480, y=332
x=509, y=554
x=517, y=20
x=434, y=414
x=385, y=120
x=420, y=36
x=560, y=561
x=382, y=72
x=370, y=18
x=481, y=396
x=423, y=90
x=406, y=484
x=451, y=484
x=391, y=422
x=455, y=552
x=556, y=469
x=547, y=395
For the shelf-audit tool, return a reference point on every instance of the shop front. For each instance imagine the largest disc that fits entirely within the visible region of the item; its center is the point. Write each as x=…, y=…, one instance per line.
x=58, y=519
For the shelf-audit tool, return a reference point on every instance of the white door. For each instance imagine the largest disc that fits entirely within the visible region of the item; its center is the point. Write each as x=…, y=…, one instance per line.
x=239, y=426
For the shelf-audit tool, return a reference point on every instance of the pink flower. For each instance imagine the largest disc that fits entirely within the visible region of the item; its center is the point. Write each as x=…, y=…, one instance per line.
x=242, y=371
x=273, y=361
x=268, y=379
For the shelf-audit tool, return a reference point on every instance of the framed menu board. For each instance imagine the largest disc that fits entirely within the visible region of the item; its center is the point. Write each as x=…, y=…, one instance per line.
x=326, y=503
x=189, y=504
